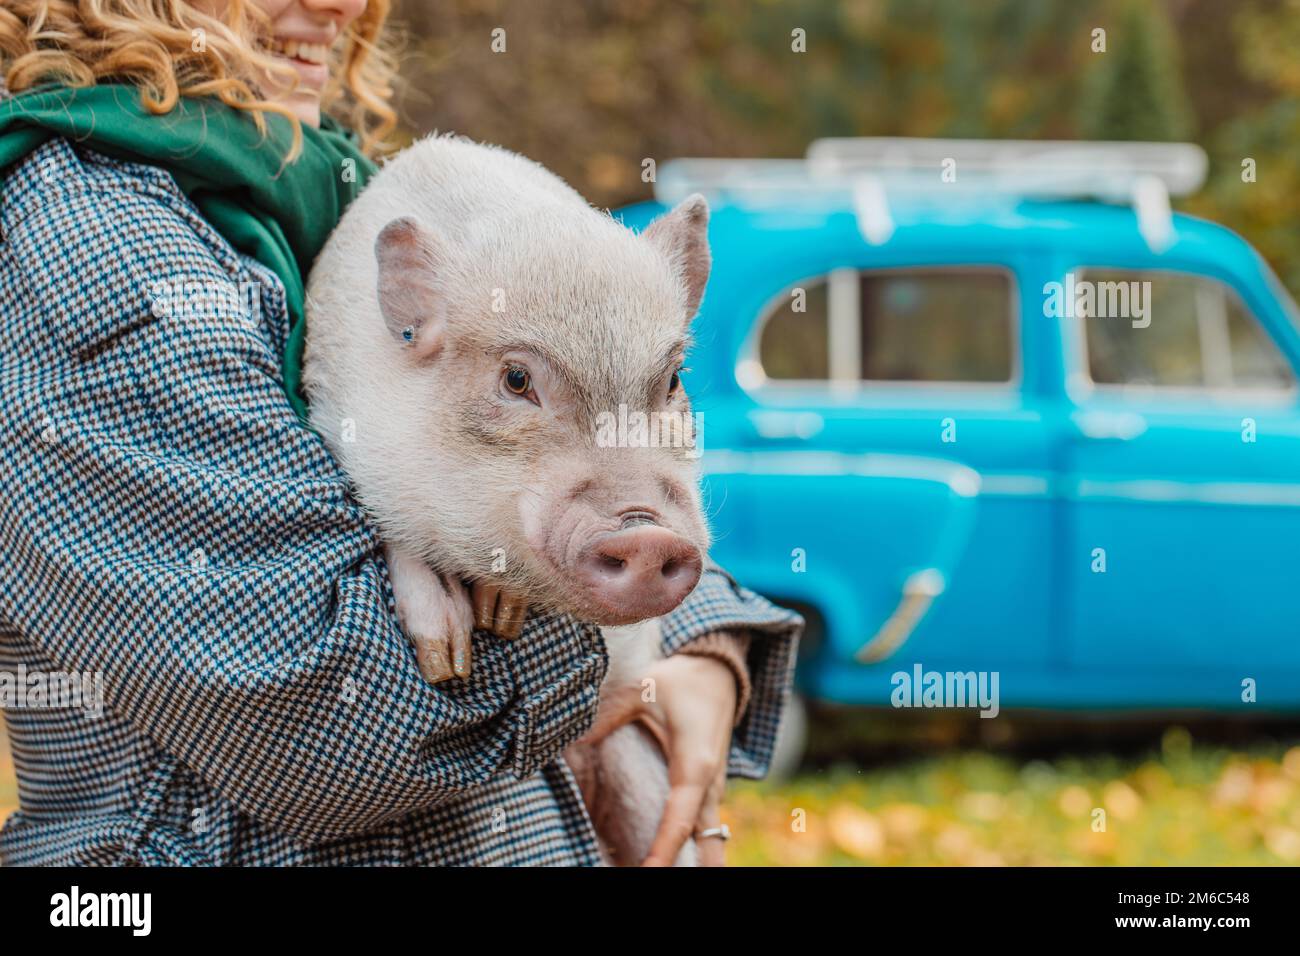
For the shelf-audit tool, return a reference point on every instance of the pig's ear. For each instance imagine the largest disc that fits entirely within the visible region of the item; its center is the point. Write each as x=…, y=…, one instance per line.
x=683, y=236
x=410, y=295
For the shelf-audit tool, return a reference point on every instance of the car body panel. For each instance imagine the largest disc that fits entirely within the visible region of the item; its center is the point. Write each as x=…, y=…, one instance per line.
x=1201, y=587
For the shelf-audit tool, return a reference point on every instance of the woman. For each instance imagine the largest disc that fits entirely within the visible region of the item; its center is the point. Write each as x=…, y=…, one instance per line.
x=168, y=525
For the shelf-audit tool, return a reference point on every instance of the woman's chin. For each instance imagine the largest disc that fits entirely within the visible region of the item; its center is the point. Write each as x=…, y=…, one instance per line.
x=306, y=107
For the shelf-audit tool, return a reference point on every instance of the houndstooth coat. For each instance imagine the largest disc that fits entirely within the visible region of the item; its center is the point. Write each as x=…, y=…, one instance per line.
x=166, y=524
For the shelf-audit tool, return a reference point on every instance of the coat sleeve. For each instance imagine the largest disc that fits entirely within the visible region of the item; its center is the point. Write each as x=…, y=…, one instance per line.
x=720, y=605
x=165, y=521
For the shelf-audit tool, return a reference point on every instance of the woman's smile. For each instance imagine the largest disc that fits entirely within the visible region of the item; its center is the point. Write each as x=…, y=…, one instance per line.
x=300, y=34
x=309, y=58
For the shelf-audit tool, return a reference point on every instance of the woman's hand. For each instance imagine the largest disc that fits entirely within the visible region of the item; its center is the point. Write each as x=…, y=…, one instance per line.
x=691, y=713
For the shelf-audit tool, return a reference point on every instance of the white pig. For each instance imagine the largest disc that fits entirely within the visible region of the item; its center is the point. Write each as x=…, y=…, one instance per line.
x=469, y=321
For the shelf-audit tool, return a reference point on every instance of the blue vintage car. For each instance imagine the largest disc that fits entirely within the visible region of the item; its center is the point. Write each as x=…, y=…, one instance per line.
x=992, y=407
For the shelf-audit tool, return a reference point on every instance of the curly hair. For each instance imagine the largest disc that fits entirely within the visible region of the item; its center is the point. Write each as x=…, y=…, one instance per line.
x=169, y=49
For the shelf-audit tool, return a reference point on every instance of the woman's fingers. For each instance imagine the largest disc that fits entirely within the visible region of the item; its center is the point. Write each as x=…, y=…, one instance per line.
x=680, y=815
x=713, y=849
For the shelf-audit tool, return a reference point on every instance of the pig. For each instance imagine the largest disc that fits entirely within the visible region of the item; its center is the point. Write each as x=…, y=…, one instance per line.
x=470, y=322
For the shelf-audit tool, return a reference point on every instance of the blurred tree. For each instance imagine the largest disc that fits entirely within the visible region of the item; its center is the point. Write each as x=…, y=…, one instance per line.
x=595, y=88
x=590, y=89
x=1263, y=201
x=1134, y=89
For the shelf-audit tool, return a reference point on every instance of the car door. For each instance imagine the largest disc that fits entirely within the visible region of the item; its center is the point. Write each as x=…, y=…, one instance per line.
x=1184, y=492
x=887, y=432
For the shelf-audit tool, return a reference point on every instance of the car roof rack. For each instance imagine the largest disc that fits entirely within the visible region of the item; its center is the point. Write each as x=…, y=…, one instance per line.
x=864, y=172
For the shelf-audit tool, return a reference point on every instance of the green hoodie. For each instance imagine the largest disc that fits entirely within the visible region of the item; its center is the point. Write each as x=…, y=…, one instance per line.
x=278, y=213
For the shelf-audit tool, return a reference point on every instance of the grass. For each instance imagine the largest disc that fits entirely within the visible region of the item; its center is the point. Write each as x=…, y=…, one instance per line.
x=1181, y=804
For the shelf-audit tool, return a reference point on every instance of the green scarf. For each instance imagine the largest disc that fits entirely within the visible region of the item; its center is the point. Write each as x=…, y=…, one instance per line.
x=280, y=214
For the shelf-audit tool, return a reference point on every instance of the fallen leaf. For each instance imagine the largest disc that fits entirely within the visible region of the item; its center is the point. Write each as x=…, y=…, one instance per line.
x=856, y=832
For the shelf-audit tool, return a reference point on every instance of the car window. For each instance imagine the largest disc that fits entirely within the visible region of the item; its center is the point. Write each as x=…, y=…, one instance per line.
x=794, y=343
x=907, y=325
x=1171, y=329
x=936, y=326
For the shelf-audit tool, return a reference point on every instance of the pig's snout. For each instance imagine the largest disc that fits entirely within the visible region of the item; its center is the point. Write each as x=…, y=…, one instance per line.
x=638, y=572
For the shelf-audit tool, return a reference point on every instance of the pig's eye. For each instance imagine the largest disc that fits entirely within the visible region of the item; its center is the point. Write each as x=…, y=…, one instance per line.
x=518, y=381
x=675, y=382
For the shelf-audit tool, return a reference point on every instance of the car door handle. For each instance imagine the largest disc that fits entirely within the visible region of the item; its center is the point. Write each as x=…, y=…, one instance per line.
x=919, y=592
x=1109, y=426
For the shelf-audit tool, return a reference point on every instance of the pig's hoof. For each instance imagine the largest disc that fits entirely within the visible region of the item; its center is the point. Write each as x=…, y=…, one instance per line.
x=496, y=611
x=438, y=619
x=433, y=654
